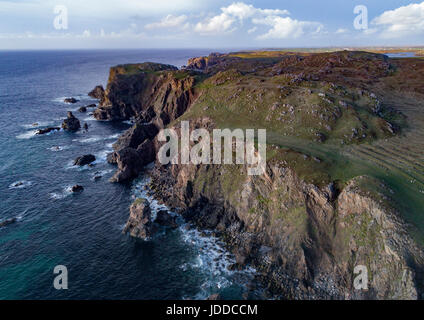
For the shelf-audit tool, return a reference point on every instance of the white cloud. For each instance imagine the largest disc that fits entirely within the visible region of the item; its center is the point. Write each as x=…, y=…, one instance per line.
x=402, y=21
x=217, y=24
x=242, y=11
x=235, y=15
x=223, y=22
x=252, y=30
x=227, y=20
x=169, y=21
x=341, y=31
x=285, y=28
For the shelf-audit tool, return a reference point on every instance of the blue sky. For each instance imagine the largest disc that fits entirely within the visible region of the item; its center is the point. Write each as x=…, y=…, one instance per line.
x=30, y=24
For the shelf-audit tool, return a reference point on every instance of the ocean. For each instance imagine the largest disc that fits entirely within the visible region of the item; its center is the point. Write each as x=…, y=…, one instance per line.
x=84, y=231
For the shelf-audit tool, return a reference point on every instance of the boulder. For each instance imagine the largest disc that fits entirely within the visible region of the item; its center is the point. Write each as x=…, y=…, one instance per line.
x=132, y=161
x=93, y=105
x=135, y=136
x=140, y=224
x=70, y=100
x=147, y=152
x=47, y=130
x=71, y=123
x=84, y=160
x=82, y=109
x=97, y=93
x=77, y=188
x=111, y=158
x=129, y=165
x=7, y=222
x=165, y=219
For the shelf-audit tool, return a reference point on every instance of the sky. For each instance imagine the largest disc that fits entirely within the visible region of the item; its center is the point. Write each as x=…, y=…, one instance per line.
x=115, y=24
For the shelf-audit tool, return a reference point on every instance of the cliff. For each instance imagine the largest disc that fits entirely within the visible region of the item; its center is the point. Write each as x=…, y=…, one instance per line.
x=146, y=91
x=333, y=197
x=304, y=240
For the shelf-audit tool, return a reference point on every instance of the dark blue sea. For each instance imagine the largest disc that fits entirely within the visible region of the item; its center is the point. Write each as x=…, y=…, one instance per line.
x=84, y=231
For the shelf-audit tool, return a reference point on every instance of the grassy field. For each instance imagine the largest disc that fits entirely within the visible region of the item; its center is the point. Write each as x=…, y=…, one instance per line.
x=324, y=129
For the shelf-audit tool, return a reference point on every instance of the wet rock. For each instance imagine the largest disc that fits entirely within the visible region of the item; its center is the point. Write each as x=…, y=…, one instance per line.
x=84, y=160
x=85, y=126
x=70, y=100
x=140, y=224
x=135, y=136
x=7, y=222
x=132, y=161
x=47, y=130
x=214, y=297
x=82, y=109
x=17, y=184
x=71, y=123
x=111, y=158
x=97, y=93
x=77, y=188
x=165, y=219
x=129, y=163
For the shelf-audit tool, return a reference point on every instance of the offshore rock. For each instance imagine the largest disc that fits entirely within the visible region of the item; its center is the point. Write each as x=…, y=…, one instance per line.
x=140, y=224
x=84, y=160
x=47, y=130
x=97, y=93
x=71, y=123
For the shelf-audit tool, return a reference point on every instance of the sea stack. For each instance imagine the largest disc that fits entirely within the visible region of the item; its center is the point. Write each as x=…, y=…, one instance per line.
x=71, y=123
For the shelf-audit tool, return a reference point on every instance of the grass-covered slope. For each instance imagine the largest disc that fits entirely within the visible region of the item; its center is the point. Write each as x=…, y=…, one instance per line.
x=331, y=116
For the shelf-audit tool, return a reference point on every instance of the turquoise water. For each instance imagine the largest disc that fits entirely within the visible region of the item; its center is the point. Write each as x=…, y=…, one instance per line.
x=84, y=231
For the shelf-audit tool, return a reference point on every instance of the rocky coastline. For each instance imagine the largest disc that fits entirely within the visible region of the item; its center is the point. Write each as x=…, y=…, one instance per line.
x=304, y=237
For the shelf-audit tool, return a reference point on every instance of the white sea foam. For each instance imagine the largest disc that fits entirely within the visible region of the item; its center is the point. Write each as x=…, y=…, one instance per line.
x=33, y=133
x=90, y=118
x=58, y=148
x=67, y=190
x=20, y=184
x=101, y=156
x=82, y=97
x=27, y=135
x=101, y=173
x=211, y=258
x=94, y=139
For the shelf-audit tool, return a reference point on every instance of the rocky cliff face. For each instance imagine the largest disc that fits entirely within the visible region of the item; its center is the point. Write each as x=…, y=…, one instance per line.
x=304, y=240
x=305, y=237
x=146, y=91
x=153, y=95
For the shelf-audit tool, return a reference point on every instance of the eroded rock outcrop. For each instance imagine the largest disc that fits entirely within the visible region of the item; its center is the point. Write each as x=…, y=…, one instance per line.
x=98, y=93
x=146, y=91
x=132, y=161
x=84, y=160
x=7, y=222
x=71, y=123
x=70, y=100
x=47, y=130
x=140, y=223
x=305, y=240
